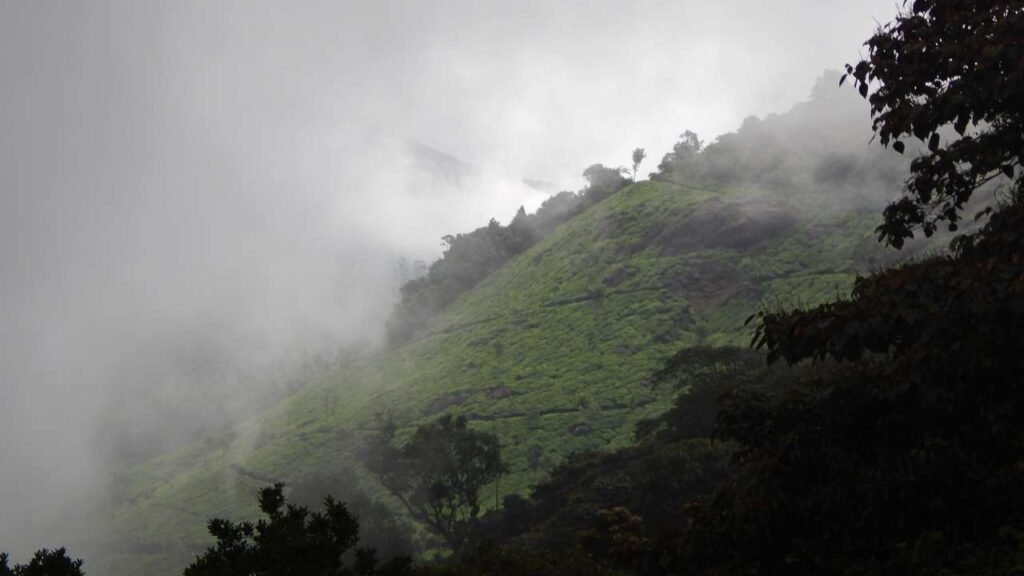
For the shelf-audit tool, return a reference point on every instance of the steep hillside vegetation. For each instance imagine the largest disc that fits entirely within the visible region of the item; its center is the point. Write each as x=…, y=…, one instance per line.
x=469, y=258
x=551, y=353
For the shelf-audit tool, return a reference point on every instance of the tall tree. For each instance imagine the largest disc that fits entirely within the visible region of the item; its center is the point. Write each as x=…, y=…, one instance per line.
x=943, y=63
x=638, y=157
x=438, y=473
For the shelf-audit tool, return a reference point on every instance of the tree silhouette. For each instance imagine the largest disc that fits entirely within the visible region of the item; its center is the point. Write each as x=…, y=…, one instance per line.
x=638, y=157
x=438, y=473
x=291, y=541
x=602, y=182
x=947, y=63
x=45, y=562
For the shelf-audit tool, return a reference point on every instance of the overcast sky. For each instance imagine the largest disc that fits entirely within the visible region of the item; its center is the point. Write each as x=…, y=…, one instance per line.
x=172, y=170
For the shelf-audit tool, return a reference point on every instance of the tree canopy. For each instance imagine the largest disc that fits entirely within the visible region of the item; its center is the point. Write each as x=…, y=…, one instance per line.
x=438, y=473
x=44, y=562
x=686, y=149
x=602, y=182
x=291, y=541
x=638, y=157
x=940, y=64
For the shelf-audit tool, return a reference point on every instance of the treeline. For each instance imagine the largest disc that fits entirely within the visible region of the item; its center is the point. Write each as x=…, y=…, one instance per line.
x=44, y=562
x=819, y=149
x=471, y=257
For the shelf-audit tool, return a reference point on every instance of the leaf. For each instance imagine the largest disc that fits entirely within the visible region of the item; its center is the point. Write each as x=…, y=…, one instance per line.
x=842, y=79
x=898, y=146
x=933, y=142
x=961, y=123
x=863, y=89
x=920, y=129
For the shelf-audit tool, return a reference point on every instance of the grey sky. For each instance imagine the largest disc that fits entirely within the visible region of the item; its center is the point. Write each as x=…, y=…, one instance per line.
x=178, y=169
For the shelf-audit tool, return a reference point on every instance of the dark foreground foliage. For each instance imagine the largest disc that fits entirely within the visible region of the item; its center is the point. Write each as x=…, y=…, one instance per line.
x=44, y=562
x=942, y=64
x=292, y=541
x=438, y=474
x=908, y=455
x=380, y=527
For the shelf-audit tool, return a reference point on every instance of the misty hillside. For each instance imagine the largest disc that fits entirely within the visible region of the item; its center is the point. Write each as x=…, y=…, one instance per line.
x=552, y=352
x=512, y=289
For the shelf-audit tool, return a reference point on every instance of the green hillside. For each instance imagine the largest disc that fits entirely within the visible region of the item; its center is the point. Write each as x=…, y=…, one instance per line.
x=551, y=353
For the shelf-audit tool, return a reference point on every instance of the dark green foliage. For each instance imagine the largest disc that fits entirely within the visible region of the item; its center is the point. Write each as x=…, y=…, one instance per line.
x=292, y=541
x=380, y=528
x=705, y=375
x=948, y=63
x=44, y=562
x=620, y=506
x=438, y=473
x=905, y=456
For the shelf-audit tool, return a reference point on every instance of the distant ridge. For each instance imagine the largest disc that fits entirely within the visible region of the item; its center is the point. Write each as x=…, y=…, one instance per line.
x=436, y=162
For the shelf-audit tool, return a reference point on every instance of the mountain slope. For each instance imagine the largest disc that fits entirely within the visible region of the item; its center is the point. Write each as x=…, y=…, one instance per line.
x=551, y=353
